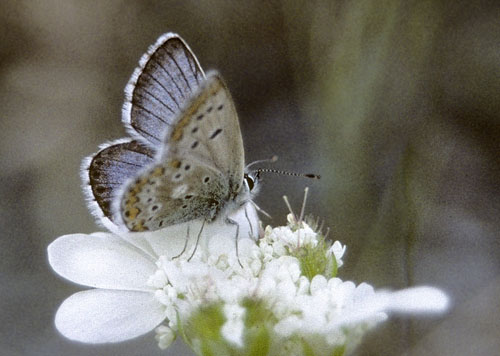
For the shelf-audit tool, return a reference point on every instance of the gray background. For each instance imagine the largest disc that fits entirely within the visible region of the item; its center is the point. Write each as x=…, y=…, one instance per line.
x=395, y=103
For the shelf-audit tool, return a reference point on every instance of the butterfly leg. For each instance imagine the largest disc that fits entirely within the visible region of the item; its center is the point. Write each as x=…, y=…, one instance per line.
x=197, y=240
x=233, y=222
x=185, y=244
x=249, y=223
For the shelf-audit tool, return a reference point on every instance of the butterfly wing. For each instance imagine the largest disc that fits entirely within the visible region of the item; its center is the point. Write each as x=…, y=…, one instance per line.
x=209, y=131
x=104, y=173
x=167, y=76
x=200, y=169
x=170, y=193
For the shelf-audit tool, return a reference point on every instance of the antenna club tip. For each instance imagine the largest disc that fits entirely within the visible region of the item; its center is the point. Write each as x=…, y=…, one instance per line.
x=314, y=176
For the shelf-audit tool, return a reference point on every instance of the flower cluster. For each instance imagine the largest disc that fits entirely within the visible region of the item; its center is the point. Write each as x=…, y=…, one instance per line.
x=278, y=295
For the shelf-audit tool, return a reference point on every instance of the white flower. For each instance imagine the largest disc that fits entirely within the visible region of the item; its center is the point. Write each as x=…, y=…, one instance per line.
x=126, y=301
x=234, y=326
x=278, y=296
x=164, y=336
x=338, y=251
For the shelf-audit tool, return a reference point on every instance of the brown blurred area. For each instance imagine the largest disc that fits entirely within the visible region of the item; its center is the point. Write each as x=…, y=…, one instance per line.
x=395, y=103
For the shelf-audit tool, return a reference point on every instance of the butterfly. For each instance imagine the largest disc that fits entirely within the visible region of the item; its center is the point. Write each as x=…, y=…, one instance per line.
x=184, y=160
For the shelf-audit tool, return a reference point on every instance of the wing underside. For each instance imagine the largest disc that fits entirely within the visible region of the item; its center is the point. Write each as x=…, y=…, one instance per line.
x=200, y=169
x=106, y=172
x=167, y=76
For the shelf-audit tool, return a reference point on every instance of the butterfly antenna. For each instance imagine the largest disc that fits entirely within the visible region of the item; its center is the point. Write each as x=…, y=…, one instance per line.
x=269, y=160
x=294, y=174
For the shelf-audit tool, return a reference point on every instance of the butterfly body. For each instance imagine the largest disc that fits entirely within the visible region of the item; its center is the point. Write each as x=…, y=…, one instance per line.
x=186, y=160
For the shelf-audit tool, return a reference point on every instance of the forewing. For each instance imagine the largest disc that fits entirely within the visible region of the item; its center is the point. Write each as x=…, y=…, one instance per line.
x=104, y=173
x=208, y=131
x=167, y=76
x=171, y=192
x=199, y=170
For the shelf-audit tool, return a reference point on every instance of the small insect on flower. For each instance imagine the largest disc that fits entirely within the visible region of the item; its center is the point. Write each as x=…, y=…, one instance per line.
x=185, y=159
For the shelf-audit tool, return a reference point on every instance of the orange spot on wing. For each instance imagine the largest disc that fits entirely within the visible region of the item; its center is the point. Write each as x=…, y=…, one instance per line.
x=175, y=163
x=158, y=171
x=193, y=108
x=139, y=226
x=179, y=128
x=130, y=211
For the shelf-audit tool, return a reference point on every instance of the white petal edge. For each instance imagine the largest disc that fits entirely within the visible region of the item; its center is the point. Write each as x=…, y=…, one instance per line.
x=419, y=300
x=100, y=315
x=100, y=260
x=415, y=300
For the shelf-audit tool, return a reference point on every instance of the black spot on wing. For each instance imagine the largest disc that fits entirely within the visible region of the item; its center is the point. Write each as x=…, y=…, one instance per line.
x=215, y=133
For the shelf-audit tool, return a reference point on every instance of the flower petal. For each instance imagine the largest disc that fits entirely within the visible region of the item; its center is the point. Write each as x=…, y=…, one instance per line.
x=170, y=240
x=414, y=300
x=100, y=260
x=165, y=336
x=140, y=240
x=100, y=315
x=421, y=299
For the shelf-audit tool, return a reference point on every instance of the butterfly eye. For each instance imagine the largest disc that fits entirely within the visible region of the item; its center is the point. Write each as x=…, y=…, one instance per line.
x=249, y=181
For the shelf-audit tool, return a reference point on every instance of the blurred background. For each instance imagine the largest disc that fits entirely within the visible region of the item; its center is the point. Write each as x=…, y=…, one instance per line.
x=395, y=103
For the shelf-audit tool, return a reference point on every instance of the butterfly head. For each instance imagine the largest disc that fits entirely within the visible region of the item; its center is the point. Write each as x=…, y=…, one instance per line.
x=251, y=182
